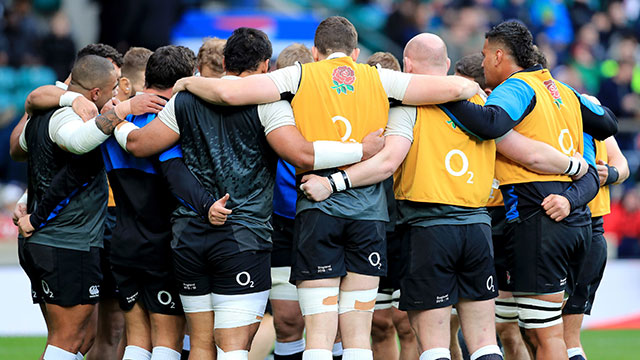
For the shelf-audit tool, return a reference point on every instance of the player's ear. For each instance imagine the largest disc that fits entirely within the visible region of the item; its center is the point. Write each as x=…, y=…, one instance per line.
x=407, y=64
x=124, y=85
x=355, y=53
x=448, y=64
x=264, y=66
x=315, y=53
x=499, y=56
x=224, y=64
x=95, y=94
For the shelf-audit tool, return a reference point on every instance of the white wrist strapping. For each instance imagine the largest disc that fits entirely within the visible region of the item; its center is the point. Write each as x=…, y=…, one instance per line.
x=67, y=98
x=341, y=185
x=574, y=166
x=23, y=198
x=122, y=131
x=329, y=154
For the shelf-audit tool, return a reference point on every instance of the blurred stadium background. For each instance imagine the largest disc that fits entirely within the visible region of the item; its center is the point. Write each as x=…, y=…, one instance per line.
x=591, y=44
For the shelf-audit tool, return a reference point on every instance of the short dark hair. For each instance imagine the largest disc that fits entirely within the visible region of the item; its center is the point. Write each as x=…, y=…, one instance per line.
x=91, y=71
x=245, y=49
x=102, y=50
x=517, y=40
x=386, y=60
x=167, y=65
x=471, y=66
x=293, y=53
x=335, y=34
x=135, y=62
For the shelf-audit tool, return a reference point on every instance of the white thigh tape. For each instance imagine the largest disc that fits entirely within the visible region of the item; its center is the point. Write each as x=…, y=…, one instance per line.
x=233, y=311
x=506, y=310
x=197, y=303
x=281, y=288
x=395, y=299
x=318, y=300
x=537, y=314
x=383, y=301
x=360, y=300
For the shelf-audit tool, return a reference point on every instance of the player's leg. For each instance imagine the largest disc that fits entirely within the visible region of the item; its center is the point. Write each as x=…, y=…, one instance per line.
x=408, y=341
x=167, y=332
x=508, y=329
x=264, y=338
x=287, y=318
x=383, y=333
x=68, y=325
x=454, y=326
x=201, y=326
x=109, y=332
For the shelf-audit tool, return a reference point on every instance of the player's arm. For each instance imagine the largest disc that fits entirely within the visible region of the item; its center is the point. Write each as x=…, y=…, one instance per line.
x=597, y=120
x=287, y=141
x=50, y=96
x=539, y=156
x=505, y=108
x=254, y=89
x=616, y=171
x=15, y=150
x=183, y=184
x=398, y=138
x=432, y=89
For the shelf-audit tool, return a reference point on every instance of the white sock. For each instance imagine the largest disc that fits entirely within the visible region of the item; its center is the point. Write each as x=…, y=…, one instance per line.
x=357, y=354
x=486, y=350
x=289, y=348
x=186, y=343
x=317, y=354
x=55, y=353
x=79, y=356
x=132, y=352
x=233, y=355
x=337, y=349
x=164, y=353
x=575, y=351
x=436, y=353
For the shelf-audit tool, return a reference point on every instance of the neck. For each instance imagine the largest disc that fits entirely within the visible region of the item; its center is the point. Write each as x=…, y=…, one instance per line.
x=165, y=93
x=245, y=73
x=510, y=70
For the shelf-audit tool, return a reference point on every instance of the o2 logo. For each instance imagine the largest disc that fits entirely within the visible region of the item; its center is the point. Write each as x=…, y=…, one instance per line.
x=347, y=125
x=463, y=169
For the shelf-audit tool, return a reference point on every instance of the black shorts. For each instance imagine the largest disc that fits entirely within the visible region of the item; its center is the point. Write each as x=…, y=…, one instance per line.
x=108, y=288
x=327, y=247
x=544, y=256
x=208, y=260
x=156, y=289
x=60, y=276
x=395, y=264
x=282, y=238
x=581, y=300
x=446, y=263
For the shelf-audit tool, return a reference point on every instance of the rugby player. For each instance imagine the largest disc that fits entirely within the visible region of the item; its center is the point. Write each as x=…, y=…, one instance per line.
x=141, y=252
x=210, y=58
x=387, y=319
x=612, y=169
x=283, y=296
x=133, y=66
x=343, y=237
x=524, y=94
x=225, y=269
x=70, y=237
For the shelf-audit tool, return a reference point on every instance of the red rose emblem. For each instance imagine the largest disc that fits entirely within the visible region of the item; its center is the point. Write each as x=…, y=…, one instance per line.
x=344, y=75
x=551, y=86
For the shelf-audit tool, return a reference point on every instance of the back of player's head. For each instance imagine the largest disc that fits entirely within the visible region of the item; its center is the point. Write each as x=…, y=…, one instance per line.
x=386, y=60
x=471, y=66
x=102, y=50
x=515, y=39
x=210, y=57
x=167, y=65
x=292, y=53
x=426, y=53
x=92, y=71
x=245, y=50
x=135, y=62
x=335, y=34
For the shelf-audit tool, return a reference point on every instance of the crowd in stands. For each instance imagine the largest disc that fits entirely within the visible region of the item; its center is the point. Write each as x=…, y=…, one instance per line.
x=592, y=45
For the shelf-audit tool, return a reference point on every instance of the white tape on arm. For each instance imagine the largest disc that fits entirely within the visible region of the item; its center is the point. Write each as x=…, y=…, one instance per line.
x=67, y=98
x=121, y=132
x=329, y=154
x=23, y=198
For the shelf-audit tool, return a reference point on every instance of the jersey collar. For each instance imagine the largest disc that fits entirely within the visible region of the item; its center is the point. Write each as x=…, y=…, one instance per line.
x=336, y=55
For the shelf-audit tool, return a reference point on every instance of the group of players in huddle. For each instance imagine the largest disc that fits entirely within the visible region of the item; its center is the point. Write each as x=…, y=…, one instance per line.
x=307, y=185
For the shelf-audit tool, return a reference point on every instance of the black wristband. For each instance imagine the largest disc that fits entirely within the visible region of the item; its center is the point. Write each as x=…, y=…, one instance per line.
x=612, y=176
x=334, y=188
x=347, y=181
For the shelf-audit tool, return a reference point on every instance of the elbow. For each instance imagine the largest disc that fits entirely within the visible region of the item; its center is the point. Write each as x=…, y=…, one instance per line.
x=17, y=154
x=303, y=161
x=388, y=168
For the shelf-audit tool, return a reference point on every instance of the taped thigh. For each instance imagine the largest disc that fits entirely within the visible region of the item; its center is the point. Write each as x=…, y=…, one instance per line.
x=506, y=310
x=359, y=300
x=197, y=303
x=537, y=314
x=232, y=311
x=318, y=300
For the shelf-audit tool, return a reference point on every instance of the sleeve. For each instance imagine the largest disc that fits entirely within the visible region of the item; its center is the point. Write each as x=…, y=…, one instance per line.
x=72, y=134
x=395, y=83
x=287, y=79
x=505, y=108
x=23, y=138
x=401, y=121
x=168, y=115
x=69, y=181
x=589, y=153
x=598, y=121
x=183, y=184
x=275, y=115
x=582, y=191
